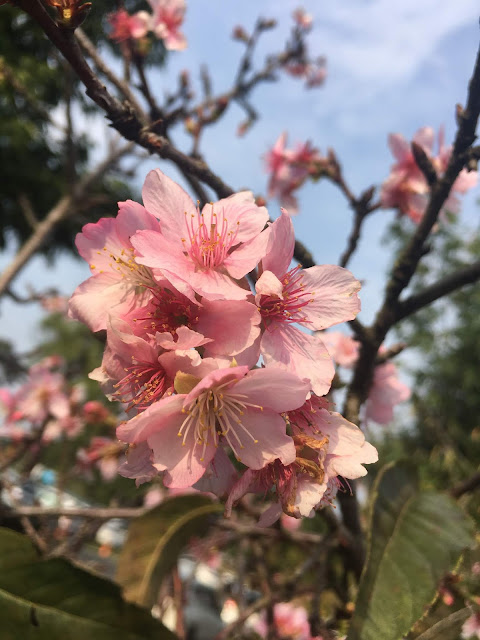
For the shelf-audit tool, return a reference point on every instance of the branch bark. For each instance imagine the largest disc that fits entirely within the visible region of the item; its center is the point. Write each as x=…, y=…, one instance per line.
x=64, y=208
x=438, y=290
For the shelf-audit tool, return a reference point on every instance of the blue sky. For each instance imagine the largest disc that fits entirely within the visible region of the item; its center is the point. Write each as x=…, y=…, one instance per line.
x=393, y=67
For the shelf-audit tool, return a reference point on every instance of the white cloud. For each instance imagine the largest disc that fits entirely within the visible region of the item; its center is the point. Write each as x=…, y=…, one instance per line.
x=384, y=40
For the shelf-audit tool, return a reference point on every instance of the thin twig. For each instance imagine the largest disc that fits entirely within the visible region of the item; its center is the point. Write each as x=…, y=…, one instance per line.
x=64, y=208
x=90, y=49
x=100, y=513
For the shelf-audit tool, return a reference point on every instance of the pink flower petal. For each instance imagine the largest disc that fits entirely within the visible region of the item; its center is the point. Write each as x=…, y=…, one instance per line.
x=273, y=389
x=158, y=416
x=245, y=258
x=269, y=431
x=334, y=295
x=280, y=246
x=168, y=202
x=241, y=208
x=292, y=350
x=269, y=285
x=97, y=297
x=234, y=325
x=183, y=463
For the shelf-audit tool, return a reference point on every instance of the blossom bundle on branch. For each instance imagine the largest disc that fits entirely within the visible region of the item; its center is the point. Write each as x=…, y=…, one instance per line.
x=46, y=406
x=164, y=22
x=210, y=371
x=407, y=187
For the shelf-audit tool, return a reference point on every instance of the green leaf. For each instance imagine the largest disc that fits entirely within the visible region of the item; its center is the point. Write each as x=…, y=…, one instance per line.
x=55, y=600
x=415, y=538
x=447, y=629
x=155, y=541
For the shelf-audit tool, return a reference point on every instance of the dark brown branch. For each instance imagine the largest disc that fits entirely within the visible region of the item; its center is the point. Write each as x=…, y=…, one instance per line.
x=390, y=353
x=27, y=210
x=361, y=206
x=123, y=116
x=439, y=289
x=468, y=485
x=407, y=263
x=401, y=275
x=424, y=163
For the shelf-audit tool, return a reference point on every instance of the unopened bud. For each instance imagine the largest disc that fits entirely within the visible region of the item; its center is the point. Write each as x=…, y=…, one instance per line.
x=243, y=127
x=239, y=33
x=184, y=78
x=191, y=126
x=459, y=113
x=267, y=24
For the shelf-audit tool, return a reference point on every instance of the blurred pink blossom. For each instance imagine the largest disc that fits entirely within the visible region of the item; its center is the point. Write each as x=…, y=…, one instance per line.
x=289, y=168
x=386, y=392
x=471, y=626
x=126, y=26
x=291, y=623
x=406, y=187
x=342, y=348
x=167, y=19
x=302, y=19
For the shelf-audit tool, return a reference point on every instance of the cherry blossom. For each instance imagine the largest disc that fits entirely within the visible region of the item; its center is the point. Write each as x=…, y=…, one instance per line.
x=315, y=298
x=167, y=19
x=342, y=348
x=227, y=328
x=103, y=453
x=126, y=26
x=234, y=407
x=302, y=19
x=289, y=168
x=327, y=446
x=291, y=623
x=407, y=189
x=471, y=626
x=386, y=392
x=118, y=281
x=206, y=252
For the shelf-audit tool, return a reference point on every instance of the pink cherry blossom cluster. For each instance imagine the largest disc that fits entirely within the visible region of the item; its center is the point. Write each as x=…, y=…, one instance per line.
x=208, y=369
x=46, y=405
x=406, y=188
x=386, y=391
x=102, y=453
x=289, y=168
x=164, y=23
x=55, y=304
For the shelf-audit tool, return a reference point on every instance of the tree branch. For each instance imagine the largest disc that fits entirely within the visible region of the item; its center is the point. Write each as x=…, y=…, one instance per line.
x=123, y=117
x=402, y=273
x=470, y=484
x=439, y=289
x=64, y=208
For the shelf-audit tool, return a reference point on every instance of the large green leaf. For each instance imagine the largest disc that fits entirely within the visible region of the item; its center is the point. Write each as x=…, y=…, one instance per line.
x=448, y=628
x=55, y=600
x=155, y=541
x=415, y=538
